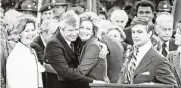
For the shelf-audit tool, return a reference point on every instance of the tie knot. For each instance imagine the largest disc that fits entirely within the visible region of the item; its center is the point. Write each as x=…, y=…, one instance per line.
x=135, y=50
x=164, y=45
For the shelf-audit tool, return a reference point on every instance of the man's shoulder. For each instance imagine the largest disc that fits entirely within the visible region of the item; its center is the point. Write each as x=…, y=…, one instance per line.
x=157, y=57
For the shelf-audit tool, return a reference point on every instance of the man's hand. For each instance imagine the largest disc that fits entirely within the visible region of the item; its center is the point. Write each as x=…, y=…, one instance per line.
x=104, y=51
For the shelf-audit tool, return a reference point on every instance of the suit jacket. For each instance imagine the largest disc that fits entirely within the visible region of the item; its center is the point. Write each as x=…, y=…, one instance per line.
x=63, y=60
x=114, y=58
x=39, y=48
x=172, y=46
x=154, y=67
x=174, y=58
x=90, y=63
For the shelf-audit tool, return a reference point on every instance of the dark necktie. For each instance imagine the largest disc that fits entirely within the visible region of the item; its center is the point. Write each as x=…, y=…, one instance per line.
x=72, y=46
x=164, y=52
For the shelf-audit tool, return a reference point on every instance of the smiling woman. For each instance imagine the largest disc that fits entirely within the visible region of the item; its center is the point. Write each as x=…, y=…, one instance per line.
x=22, y=68
x=90, y=63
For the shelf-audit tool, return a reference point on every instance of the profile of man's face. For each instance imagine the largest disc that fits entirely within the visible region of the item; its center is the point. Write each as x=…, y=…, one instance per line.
x=70, y=33
x=145, y=12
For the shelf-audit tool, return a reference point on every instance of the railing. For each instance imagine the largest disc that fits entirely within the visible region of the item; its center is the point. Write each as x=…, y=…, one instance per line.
x=129, y=86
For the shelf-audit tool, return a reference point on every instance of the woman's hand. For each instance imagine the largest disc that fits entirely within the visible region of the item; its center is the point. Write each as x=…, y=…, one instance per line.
x=104, y=50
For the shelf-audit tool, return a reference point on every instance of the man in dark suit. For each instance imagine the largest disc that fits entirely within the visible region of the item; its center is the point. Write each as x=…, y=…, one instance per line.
x=164, y=29
x=174, y=58
x=59, y=53
x=48, y=28
x=150, y=66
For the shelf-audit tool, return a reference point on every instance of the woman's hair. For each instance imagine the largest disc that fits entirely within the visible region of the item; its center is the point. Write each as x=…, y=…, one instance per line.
x=93, y=18
x=115, y=27
x=21, y=25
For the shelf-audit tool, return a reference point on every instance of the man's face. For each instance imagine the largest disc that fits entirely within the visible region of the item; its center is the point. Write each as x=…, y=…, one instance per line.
x=119, y=21
x=140, y=35
x=70, y=33
x=47, y=15
x=145, y=12
x=59, y=10
x=164, y=30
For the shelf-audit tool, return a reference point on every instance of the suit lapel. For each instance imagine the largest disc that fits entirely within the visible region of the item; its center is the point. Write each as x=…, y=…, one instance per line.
x=86, y=44
x=176, y=60
x=66, y=46
x=41, y=42
x=144, y=62
x=172, y=46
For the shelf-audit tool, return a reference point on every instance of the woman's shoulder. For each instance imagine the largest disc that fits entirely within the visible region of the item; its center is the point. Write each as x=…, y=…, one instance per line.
x=94, y=42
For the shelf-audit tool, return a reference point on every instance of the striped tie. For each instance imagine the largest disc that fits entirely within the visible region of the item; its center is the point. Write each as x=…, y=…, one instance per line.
x=133, y=64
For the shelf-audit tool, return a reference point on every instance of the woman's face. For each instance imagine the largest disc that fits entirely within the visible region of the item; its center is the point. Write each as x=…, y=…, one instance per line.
x=115, y=34
x=178, y=37
x=27, y=36
x=85, y=30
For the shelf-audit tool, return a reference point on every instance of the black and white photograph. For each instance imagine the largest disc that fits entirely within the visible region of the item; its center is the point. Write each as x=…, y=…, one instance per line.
x=90, y=43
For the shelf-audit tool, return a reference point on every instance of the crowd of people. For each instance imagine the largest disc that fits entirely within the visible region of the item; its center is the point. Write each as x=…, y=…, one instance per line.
x=71, y=47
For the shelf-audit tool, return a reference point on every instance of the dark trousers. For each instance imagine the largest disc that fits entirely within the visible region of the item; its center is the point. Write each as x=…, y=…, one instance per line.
x=52, y=81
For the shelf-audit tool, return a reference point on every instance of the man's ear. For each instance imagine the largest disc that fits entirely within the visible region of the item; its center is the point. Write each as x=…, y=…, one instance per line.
x=61, y=25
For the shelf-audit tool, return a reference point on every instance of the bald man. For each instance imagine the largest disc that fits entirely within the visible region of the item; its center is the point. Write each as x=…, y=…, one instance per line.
x=119, y=17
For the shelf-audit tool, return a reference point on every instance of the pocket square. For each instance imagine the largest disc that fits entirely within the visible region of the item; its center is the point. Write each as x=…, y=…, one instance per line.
x=146, y=73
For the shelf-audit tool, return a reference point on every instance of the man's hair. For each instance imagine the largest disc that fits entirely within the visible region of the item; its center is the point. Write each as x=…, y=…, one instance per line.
x=119, y=12
x=164, y=17
x=70, y=18
x=145, y=3
x=142, y=21
x=47, y=25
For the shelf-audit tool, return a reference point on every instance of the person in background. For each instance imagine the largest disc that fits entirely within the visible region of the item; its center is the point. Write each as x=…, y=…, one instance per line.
x=28, y=7
x=145, y=56
x=164, y=29
x=164, y=7
x=144, y=9
x=47, y=12
x=175, y=56
x=59, y=8
x=48, y=28
x=117, y=33
x=116, y=50
x=119, y=20
x=23, y=68
x=103, y=15
x=3, y=47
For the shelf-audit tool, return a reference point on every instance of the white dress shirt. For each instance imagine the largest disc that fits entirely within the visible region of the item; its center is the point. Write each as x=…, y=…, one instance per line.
x=142, y=51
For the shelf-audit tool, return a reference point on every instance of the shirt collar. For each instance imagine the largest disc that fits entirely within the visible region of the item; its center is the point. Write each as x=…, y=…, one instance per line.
x=44, y=43
x=68, y=42
x=179, y=49
x=167, y=43
x=145, y=47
